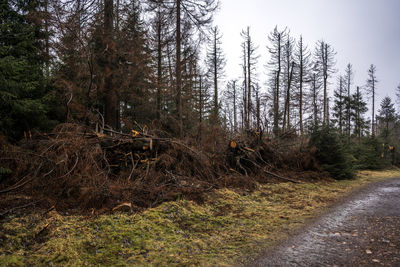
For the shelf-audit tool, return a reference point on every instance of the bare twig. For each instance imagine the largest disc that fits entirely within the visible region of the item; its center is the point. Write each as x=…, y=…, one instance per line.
x=73, y=167
x=19, y=207
x=280, y=177
x=19, y=184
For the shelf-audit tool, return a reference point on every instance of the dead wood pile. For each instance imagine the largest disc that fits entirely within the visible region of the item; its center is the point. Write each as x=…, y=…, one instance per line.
x=76, y=167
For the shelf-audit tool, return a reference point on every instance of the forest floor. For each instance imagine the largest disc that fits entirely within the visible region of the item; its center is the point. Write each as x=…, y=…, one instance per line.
x=230, y=227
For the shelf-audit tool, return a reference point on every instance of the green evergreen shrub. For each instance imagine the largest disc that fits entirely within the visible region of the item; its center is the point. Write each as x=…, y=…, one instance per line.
x=331, y=153
x=369, y=154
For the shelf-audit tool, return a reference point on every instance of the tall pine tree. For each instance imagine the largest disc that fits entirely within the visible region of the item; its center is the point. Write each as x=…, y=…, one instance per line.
x=23, y=88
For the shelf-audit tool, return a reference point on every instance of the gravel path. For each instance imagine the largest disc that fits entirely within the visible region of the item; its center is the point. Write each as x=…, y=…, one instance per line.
x=362, y=230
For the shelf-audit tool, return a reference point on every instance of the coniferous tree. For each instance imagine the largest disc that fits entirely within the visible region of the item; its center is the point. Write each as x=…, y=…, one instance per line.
x=288, y=73
x=249, y=63
x=74, y=71
x=315, y=96
x=331, y=152
x=398, y=96
x=277, y=39
x=339, y=104
x=231, y=95
x=358, y=109
x=110, y=99
x=160, y=38
x=348, y=79
x=257, y=90
x=386, y=117
x=216, y=63
x=202, y=97
x=194, y=15
x=302, y=63
x=371, y=90
x=133, y=75
x=23, y=92
x=324, y=65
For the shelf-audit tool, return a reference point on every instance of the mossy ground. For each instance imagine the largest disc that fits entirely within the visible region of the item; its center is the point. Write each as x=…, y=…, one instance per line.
x=224, y=230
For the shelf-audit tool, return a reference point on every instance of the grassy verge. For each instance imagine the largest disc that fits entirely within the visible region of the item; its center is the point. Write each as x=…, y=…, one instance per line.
x=226, y=228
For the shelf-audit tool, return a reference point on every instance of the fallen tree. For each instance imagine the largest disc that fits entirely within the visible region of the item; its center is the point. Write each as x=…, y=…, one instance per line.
x=77, y=167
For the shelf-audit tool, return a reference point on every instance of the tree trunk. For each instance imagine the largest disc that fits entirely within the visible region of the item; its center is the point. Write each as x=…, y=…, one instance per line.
x=47, y=37
x=373, y=107
x=249, y=108
x=234, y=107
x=341, y=105
x=325, y=62
x=358, y=114
x=159, y=66
x=286, y=116
x=348, y=107
x=110, y=101
x=178, y=92
x=245, y=103
x=315, y=100
x=258, y=112
x=216, y=106
x=276, y=94
x=301, y=87
x=200, y=107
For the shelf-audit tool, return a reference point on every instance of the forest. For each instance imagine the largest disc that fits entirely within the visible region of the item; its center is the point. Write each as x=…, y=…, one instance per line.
x=127, y=101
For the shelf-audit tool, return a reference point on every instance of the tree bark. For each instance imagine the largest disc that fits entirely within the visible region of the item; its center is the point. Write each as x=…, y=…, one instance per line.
x=216, y=106
x=178, y=92
x=234, y=107
x=315, y=100
x=301, y=86
x=159, y=66
x=373, y=107
x=325, y=62
x=110, y=101
x=249, y=108
x=276, y=94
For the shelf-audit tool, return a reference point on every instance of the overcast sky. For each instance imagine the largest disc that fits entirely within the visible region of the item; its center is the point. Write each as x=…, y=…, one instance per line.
x=362, y=32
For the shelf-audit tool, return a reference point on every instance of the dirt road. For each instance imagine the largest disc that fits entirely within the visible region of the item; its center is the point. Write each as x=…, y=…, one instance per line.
x=362, y=230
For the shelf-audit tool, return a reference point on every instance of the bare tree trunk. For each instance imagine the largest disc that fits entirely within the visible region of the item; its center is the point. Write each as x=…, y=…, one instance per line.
x=215, y=56
x=315, y=100
x=171, y=73
x=117, y=15
x=159, y=66
x=325, y=62
x=200, y=107
x=288, y=95
x=341, y=111
x=286, y=116
x=301, y=88
x=178, y=99
x=348, y=108
x=373, y=107
x=47, y=42
x=276, y=94
x=234, y=107
x=245, y=103
x=258, y=113
x=358, y=115
x=249, y=105
x=110, y=109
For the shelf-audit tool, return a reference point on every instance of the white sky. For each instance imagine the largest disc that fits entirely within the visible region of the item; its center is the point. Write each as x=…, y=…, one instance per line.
x=362, y=32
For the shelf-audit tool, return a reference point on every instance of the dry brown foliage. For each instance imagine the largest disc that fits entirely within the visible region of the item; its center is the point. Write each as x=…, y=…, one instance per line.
x=76, y=167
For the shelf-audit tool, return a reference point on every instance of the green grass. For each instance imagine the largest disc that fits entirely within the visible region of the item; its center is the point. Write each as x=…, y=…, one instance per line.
x=226, y=229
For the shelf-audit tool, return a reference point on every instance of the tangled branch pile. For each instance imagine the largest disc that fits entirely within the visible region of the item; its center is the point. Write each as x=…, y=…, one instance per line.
x=76, y=167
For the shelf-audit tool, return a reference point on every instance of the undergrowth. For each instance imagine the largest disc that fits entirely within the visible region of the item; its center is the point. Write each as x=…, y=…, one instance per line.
x=228, y=228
